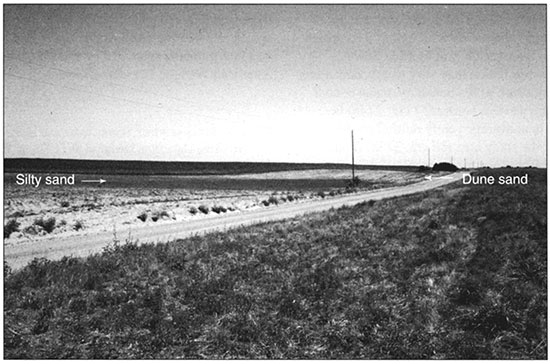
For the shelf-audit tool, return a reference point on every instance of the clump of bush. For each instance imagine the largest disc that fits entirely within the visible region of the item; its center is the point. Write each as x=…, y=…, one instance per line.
x=354, y=182
x=290, y=198
x=11, y=226
x=142, y=216
x=273, y=200
x=351, y=189
x=47, y=224
x=16, y=214
x=78, y=225
x=218, y=209
x=321, y=194
x=204, y=209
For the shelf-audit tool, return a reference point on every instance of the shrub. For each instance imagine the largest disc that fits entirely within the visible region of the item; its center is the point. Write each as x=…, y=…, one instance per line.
x=204, y=209
x=10, y=227
x=273, y=200
x=290, y=198
x=78, y=225
x=142, y=216
x=164, y=214
x=354, y=182
x=265, y=203
x=218, y=209
x=32, y=229
x=350, y=190
x=193, y=210
x=321, y=194
x=65, y=204
x=47, y=224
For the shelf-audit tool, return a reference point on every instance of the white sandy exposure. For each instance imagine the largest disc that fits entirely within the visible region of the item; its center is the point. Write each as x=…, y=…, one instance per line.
x=21, y=250
x=366, y=175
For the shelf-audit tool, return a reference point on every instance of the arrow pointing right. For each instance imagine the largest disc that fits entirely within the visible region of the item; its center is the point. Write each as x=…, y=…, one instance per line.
x=100, y=181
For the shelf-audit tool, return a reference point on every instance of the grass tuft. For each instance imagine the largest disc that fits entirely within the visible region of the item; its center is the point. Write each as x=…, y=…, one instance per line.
x=10, y=227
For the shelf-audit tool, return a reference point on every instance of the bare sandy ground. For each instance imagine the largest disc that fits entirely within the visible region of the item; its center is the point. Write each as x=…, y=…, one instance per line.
x=86, y=242
x=89, y=209
x=365, y=175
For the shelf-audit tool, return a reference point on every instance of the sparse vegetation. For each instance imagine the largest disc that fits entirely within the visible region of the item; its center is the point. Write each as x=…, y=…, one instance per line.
x=218, y=209
x=78, y=225
x=204, y=209
x=10, y=227
x=47, y=224
x=16, y=214
x=354, y=182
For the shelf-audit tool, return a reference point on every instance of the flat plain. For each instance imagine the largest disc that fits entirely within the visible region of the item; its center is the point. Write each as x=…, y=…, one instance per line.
x=127, y=201
x=459, y=272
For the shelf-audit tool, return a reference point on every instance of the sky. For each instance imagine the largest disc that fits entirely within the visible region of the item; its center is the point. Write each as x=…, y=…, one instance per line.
x=277, y=83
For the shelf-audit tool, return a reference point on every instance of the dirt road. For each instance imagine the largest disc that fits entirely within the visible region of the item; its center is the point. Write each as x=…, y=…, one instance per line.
x=81, y=245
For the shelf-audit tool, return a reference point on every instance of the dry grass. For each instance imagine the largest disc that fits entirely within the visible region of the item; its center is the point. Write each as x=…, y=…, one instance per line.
x=458, y=273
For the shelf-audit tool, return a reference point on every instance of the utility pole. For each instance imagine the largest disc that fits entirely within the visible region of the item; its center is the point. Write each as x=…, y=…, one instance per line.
x=352, y=160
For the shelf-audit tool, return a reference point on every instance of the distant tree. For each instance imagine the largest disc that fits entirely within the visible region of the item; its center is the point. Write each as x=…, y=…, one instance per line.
x=445, y=167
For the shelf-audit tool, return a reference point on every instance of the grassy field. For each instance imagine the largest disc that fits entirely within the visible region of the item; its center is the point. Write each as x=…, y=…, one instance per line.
x=456, y=273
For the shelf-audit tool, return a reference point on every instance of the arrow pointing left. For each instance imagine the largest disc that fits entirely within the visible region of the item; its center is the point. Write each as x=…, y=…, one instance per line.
x=100, y=181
